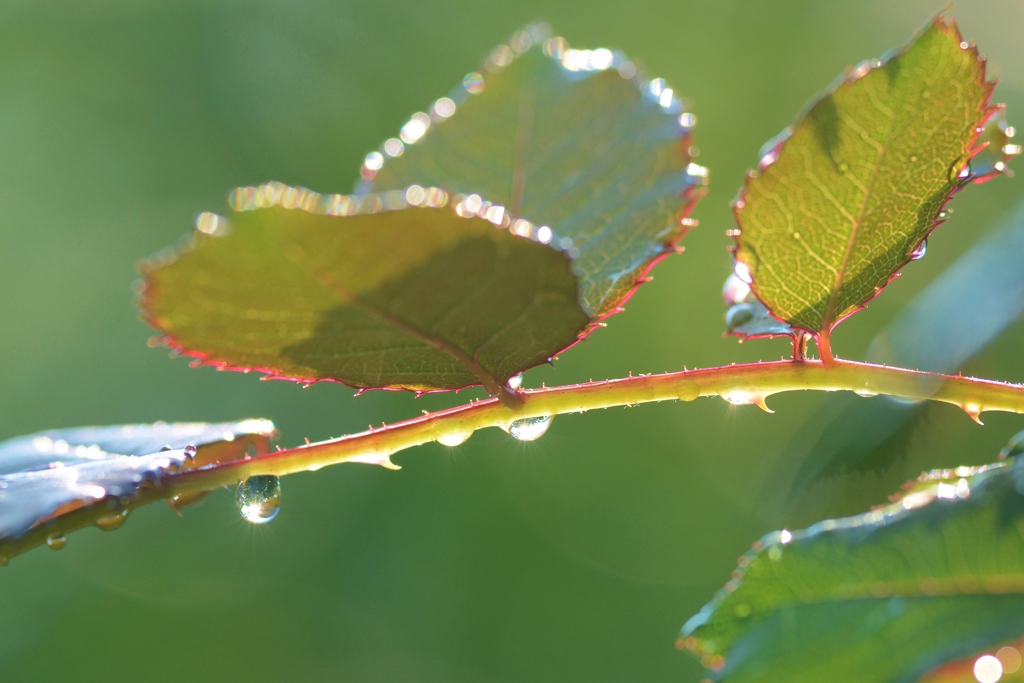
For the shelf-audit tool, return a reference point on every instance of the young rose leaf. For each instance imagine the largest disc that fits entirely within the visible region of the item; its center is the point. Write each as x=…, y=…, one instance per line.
x=598, y=158
x=55, y=482
x=846, y=197
x=960, y=312
x=885, y=596
x=414, y=298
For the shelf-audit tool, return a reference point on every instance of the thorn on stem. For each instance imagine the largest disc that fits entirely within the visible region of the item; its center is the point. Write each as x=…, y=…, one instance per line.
x=973, y=411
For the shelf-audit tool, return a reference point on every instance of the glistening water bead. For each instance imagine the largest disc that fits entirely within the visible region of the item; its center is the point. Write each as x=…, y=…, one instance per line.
x=529, y=428
x=259, y=498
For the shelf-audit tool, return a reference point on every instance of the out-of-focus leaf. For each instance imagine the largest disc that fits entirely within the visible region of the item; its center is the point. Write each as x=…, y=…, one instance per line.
x=576, y=141
x=55, y=482
x=414, y=298
x=944, y=326
x=846, y=197
x=1006, y=667
x=878, y=598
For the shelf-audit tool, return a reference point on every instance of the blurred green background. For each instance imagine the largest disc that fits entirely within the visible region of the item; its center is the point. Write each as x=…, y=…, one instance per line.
x=573, y=558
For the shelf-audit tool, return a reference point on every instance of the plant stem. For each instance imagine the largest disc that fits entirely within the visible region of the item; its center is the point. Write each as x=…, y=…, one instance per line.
x=738, y=384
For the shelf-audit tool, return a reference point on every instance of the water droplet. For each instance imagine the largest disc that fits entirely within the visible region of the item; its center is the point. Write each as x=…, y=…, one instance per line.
x=1010, y=658
x=913, y=158
x=373, y=161
x=743, y=611
x=211, y=224
x=687, y=390
x=843, y=168
x=56, y=540
x=394, y=147
x=456, y=437
x=415, y=129
x=111, y=522
x=473, y=83
x=444, y=107
x=739, y=315
x=735, y=290
x=960, y=171
x=988, y=669
x=919, y=251
x=259, y=498
x=529, y=428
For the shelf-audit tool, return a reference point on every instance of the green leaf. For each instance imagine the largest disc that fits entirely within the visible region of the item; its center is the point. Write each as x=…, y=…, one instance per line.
x=574, y=140
x=846, y=197
x=881, y=597
x=414, y=298
x=54, y=482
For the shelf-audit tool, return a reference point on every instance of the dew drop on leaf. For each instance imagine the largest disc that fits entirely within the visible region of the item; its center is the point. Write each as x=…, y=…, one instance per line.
x=259, y=498
x=735, y=290
x=920, y=250
x=529, y=428
x=56, y=541
x=739, y=314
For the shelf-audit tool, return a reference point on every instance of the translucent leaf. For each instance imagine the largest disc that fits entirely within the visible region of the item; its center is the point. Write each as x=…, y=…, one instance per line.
x=881, y=597
x=54, y=482
x=577, y=141
x=943, y=327
x=414, y=298
x=846, y=197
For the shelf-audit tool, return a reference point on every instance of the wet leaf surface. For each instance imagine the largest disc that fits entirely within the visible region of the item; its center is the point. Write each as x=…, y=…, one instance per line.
x=415, y=298
x=845, y=198
x=885, y=596
x=54, y=482
x=573, y=140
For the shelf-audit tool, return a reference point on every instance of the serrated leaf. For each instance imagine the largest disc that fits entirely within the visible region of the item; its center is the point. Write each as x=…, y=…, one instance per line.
x=54, y=482
x=413, y=298
x=844, y=200
x=878, y=598
x=959, y=313
x=573, y=140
